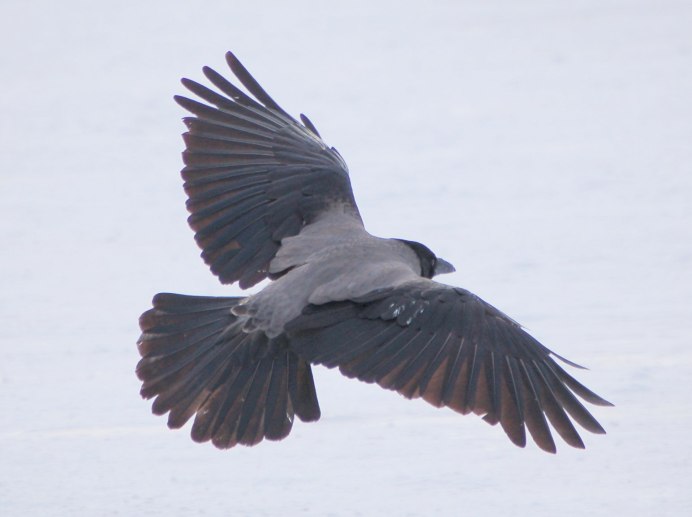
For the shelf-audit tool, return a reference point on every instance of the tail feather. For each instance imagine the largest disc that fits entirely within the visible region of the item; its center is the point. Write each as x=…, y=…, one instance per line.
x=241, y=387
x=276, y=427
x=302, y=389
x=247, y=430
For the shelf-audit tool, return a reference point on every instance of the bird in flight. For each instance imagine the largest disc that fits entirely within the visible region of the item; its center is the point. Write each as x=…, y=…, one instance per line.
x=269, y=199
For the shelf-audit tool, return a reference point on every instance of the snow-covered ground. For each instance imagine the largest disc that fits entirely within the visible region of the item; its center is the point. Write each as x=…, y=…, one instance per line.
x=545, y=148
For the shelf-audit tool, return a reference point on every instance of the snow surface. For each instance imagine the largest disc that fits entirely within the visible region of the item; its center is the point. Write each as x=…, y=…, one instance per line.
x=543, y=147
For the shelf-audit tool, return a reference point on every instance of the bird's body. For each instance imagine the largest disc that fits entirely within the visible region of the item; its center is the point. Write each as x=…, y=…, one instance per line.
x=268, y=199
x=344, y=265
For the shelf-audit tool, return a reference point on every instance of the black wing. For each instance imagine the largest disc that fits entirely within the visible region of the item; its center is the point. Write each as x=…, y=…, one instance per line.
x=451, y=348
x=253, y=175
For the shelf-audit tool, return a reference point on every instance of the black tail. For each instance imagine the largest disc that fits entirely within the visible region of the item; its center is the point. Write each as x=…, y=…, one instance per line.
x=243, y=387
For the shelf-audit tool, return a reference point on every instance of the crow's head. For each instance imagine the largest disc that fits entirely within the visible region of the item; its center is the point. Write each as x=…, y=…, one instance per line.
x=430, y=265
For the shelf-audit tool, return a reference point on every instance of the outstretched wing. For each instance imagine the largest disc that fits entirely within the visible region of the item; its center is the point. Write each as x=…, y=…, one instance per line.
x=253, y=175
x=451, y=348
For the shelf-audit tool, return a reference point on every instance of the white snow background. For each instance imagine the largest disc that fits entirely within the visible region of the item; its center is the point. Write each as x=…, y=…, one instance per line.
x=543, y=147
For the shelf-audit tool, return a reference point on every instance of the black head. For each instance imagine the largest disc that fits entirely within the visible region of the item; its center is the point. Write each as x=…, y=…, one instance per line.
x=430, y=265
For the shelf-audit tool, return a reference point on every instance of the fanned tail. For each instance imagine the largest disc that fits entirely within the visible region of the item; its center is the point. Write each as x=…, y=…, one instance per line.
x=241, y=387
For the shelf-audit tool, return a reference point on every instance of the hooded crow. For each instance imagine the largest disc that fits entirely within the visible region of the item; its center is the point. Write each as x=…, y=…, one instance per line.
x=269, y=199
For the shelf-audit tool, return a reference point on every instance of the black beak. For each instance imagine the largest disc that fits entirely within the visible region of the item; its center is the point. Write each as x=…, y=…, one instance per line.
x=442, y=267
